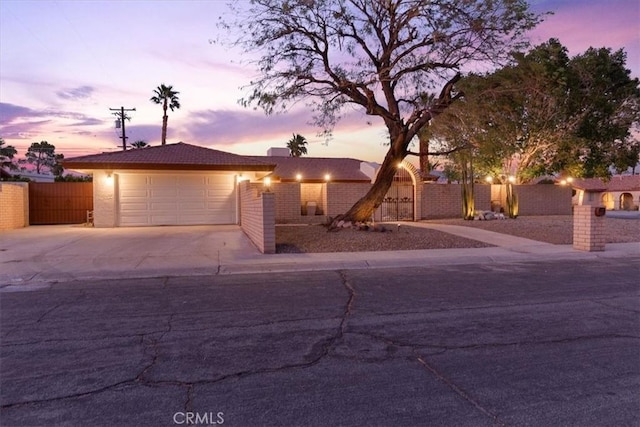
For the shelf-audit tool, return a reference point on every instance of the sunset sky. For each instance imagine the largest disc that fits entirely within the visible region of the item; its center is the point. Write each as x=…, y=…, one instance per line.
x=63, y=64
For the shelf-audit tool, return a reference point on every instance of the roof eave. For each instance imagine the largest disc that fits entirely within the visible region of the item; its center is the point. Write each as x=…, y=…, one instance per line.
x=164, y=166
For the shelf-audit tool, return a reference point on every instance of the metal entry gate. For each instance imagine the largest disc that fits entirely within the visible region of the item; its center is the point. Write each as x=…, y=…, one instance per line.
x=398, y=204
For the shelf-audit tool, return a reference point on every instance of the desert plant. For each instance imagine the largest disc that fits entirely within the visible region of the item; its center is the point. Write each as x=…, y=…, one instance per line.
x=512, y=201
x=466, y=172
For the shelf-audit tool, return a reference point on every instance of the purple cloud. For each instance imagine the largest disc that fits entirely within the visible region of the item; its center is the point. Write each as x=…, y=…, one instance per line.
x=11, y=112
x=74, y=94
x=18, y=122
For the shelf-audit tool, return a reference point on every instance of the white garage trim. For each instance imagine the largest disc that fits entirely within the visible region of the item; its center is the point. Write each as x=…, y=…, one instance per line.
x=170, y=198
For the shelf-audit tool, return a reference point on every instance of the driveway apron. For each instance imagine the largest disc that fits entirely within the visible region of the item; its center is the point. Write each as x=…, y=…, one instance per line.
x=68, y=252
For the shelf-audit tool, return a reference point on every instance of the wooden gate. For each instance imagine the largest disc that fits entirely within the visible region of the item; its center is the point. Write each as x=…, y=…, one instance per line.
x=59, y=202
x=398, y=203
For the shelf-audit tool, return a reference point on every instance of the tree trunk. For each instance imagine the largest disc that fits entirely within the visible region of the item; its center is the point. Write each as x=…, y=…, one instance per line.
x=425, y=168
x=364, y=208
x=165, y=119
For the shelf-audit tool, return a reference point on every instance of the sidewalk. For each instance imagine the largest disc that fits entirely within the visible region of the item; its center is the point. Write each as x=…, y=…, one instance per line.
x=41, y=255
x=507, y=249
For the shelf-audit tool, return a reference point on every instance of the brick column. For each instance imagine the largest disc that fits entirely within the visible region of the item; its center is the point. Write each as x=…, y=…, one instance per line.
x=588, y=229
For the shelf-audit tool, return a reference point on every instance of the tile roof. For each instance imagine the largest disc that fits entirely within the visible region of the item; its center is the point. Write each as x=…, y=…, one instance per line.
x=616, y=183
x=314, y=169
x=624, y=183
x=179, y=156
x=589, y=184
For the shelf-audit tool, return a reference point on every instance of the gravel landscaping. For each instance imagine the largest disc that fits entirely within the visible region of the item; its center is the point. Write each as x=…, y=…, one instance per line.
x=316, y=238
x=551, y=229
x=556, y=229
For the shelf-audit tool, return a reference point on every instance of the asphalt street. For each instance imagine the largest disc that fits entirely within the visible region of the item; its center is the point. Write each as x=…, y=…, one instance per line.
x=514, y=343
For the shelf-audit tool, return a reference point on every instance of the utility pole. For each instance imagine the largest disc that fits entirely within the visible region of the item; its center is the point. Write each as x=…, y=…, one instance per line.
x=122, y=117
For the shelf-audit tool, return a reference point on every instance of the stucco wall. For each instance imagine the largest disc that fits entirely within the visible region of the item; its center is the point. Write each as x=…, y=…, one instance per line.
x=257, y=217
x=14, y=205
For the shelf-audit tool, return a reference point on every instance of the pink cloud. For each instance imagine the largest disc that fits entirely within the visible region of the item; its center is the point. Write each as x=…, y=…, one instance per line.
x=229, y=127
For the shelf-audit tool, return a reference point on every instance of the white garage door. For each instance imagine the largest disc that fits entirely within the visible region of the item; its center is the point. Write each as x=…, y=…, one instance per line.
x=176, y=199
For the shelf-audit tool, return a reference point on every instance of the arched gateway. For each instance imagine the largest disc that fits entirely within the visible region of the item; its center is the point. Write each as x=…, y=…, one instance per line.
x=399, y=203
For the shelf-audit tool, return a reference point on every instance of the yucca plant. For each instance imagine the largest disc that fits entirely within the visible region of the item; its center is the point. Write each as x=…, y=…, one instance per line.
x=512, y=201
x=468, y=203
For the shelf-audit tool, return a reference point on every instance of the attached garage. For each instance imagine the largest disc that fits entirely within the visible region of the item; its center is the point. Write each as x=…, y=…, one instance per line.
x=176, y=199
x=173, y=184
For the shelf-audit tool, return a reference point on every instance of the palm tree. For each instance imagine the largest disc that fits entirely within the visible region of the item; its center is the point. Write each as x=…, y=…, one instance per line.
x=139, y=144
x=296, y=145
x=166, y=96
x=6, y=155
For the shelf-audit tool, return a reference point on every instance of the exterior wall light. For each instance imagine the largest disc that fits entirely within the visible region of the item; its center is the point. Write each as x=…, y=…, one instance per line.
x=489, y=179
x=327, y=177
x=267, y=184
x=298, y=177
x=512, y=179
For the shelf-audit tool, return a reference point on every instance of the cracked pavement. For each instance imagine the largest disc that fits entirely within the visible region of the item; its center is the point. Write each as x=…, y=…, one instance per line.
x=529, y=343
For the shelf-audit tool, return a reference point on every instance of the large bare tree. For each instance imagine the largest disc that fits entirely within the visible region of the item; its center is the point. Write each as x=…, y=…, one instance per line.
x=383, y=56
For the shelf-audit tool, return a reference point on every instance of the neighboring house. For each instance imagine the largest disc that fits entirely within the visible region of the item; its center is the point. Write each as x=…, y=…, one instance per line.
x=4, y=175
x=35, y=177
x=621, y=192
x=173, y=184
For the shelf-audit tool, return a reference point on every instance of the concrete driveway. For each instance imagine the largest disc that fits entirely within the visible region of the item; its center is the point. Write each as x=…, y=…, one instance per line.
x=68, y=252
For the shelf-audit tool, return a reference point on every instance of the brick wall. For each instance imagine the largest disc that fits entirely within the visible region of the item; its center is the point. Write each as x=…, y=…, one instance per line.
x=340, y=196
x=538, y=199
x=14, y=205
x=588, y=229
x=445, y=200
x=432, y=200
x=258, y=217
x=287, y=200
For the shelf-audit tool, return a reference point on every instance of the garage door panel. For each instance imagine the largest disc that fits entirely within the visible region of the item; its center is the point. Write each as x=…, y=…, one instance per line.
x=192, y=193
x=131, y=192
x=161, y=179
x=134, y=207
x=164, y=219
x=175, y=199
x=194, y=206
x=163, y=192
x=134, y=219
x=193, y=180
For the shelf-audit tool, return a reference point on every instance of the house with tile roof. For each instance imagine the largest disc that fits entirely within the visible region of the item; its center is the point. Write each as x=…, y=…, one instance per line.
x=173, y=184
x=621, y=192
x=184, y=184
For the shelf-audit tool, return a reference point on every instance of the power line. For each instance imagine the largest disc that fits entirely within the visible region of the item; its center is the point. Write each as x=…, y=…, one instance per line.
x=122, y=117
